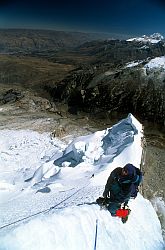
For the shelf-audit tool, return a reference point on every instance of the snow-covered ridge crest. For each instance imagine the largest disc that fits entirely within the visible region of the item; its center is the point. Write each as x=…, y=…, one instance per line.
x=102, y=146
x=154, y=38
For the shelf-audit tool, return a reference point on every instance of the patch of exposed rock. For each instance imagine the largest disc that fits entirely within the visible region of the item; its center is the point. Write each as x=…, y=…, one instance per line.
x=154, y=176
x=26, y=100
x=36, y=103
x=10, y=96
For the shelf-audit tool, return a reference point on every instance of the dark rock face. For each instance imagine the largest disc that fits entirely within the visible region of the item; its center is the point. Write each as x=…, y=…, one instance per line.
x=135, y=90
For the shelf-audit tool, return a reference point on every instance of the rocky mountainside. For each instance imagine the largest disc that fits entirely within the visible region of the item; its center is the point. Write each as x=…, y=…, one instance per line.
x=118, y=52
x=119, y=79
x=112, y=52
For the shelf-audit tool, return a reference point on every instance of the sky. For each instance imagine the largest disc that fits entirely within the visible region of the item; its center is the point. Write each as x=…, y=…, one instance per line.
x=134, y=17
x=64, y=219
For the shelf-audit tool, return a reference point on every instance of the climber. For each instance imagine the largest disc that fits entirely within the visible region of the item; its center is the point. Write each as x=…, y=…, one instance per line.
x=122, y=185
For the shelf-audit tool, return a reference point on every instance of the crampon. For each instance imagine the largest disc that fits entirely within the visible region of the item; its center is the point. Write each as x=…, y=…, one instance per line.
x=122, y=212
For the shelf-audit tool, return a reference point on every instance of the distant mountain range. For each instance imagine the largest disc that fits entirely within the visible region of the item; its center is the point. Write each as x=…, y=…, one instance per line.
x=25, y=40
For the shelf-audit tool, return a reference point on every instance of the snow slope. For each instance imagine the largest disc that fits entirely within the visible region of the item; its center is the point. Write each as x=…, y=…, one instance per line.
x=157, y=62
x=43, y=174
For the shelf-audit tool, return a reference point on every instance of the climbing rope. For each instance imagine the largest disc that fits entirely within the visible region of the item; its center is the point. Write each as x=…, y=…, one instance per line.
x=96, y=235
x=46, y=210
